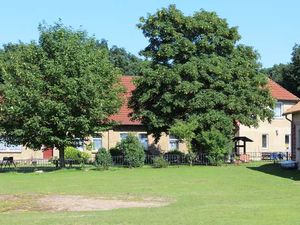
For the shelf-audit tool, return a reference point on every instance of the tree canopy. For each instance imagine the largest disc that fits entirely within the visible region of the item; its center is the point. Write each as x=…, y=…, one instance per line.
x=288, y=75
x=61, y=88
x=126, y=62
x=198, y=74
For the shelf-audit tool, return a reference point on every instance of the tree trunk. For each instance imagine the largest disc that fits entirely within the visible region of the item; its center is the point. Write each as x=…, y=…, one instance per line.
x=61, y=156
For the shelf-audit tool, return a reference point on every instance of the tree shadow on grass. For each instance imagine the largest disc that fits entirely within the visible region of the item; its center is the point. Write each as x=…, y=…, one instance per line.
x=27, y=169
x=276, y=170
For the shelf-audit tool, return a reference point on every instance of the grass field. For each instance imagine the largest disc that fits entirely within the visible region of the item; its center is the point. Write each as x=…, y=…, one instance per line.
x=246, y=194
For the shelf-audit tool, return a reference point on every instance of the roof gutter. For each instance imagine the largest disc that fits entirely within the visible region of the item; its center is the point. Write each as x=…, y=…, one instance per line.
x=285, y=115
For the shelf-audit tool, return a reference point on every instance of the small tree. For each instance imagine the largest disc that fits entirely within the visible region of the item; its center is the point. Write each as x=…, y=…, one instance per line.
x=76, y=155
x=103, y=159
x=134, y=155
x=61, y=88
x=216, y=145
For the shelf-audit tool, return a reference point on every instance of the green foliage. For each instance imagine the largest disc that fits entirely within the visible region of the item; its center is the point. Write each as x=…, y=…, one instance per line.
x=191, y=156
x=128, y=63
x=56, y=89
x=103, y=159
x=76, y=155
x=85, y=156
x=198, y=75
x=116, y=151
x=134, y=155
x=174, y=152
x=216, y=145
x=288, y=75
x=185, y=130
x=160, y=162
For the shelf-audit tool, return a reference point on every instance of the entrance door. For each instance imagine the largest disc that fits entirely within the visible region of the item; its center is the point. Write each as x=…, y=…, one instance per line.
x=48, y=153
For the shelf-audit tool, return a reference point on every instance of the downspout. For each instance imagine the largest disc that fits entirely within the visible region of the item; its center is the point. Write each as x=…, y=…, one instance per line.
x=287, y=118
x=292, y=136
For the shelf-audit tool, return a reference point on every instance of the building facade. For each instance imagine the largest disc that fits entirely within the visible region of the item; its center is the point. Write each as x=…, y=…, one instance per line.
x=267, y=137
x=276, y=135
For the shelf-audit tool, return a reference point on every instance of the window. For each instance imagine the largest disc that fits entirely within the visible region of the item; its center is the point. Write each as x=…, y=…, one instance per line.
x=264, y=143
x=79, y=144
x=97, y=142
x=123, y=136
x=144, y=140
x=6, y=147
x=278, y=110
x=287, y=141
x=173, y=142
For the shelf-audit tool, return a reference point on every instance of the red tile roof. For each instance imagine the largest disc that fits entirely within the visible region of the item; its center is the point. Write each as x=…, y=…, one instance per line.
x=277, y=91
x=280, y=93
x=123, y=116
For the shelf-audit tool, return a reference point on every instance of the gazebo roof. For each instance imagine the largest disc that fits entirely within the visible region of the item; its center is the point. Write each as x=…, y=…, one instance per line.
x=242, y=138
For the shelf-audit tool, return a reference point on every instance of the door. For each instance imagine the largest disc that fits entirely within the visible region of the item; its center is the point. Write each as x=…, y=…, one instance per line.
x=48, y=153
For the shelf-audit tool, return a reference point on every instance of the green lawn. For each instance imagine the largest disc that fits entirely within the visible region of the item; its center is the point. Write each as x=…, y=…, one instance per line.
x=246, y=194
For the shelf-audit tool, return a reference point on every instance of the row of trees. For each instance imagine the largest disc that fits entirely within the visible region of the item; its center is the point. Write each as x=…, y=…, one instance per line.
x=196, y=82
x=288, y=75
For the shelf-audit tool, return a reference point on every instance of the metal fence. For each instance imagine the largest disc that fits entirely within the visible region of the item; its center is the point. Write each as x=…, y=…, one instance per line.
x=173, y=159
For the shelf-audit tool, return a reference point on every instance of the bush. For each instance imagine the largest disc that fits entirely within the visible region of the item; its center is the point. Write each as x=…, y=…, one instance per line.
x=103, y=159
x=116, y=151
x=85, y=156
x=217, y=146
x=160, y=162
x=134, y=155
x=174, y=152
x=190, y=157
x=76, y=155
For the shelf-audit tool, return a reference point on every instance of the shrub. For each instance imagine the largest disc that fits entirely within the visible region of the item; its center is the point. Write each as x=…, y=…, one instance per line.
x=217, y=146
x=103, y=159
x=134, y=155
x=174, y=152
x=76, y=155
x=116, y=151
x=85, y=156
x=190, y=157
x=160, y=162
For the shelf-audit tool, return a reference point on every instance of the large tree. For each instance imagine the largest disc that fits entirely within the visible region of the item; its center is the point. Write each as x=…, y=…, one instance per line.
x=198, y=74
x=61, y=88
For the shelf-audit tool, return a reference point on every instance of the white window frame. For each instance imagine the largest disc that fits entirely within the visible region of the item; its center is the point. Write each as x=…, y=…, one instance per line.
x=267, y=141
x=281, y=110
x=139, y=137
x=96, y=138
x=125, y=134
x=4, y=147
x=173, y=138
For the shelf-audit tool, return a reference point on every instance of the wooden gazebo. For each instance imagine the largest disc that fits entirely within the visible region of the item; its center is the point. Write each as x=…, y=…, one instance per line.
x=237, y=144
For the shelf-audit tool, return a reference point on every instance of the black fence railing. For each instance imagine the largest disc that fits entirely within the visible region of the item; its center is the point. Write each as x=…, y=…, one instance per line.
x=173, y=159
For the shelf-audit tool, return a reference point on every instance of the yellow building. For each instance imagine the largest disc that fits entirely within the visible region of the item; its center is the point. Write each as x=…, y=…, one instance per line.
x=274, y=136
x=268, y=137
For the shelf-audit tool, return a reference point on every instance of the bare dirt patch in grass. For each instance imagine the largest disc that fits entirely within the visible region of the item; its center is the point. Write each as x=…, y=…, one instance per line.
x=74, y=203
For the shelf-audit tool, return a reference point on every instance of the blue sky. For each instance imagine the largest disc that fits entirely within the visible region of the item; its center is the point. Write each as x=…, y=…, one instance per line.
x=270, y=26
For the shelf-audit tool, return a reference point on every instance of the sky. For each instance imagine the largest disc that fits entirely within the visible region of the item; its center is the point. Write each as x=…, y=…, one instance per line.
x=271, y=27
